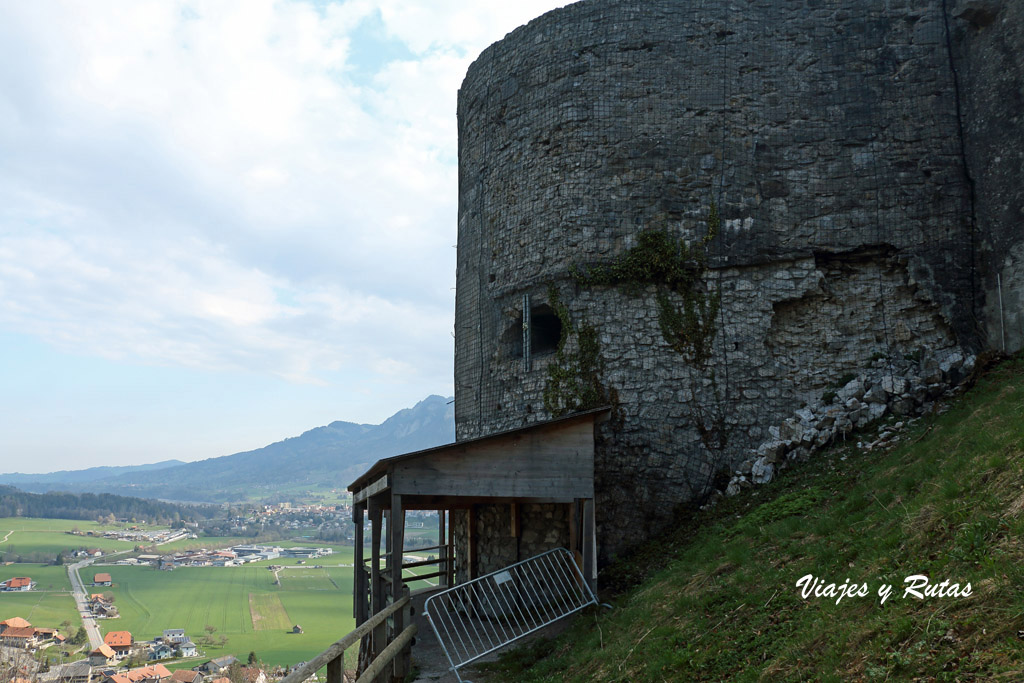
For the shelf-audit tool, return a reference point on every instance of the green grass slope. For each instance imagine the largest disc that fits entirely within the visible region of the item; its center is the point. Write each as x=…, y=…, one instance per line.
x=719, y=600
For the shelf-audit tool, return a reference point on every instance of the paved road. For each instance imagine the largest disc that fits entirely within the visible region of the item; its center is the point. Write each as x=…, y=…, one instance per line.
x=82, y=598
x=81, y=602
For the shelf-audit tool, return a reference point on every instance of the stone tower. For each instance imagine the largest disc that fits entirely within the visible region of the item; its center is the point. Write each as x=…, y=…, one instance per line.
x=807, y=162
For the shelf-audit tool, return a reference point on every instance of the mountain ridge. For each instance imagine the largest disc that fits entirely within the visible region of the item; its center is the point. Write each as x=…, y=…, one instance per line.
x=325, y=457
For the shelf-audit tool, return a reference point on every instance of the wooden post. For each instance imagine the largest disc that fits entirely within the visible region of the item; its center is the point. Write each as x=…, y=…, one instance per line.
x=335, y=669
x=513, y=525
x=471, y=544
x=451, y=551
x=442, y=552
x=589, y=544
x=396, y=538
x=574, y=532
x=406, y=656
x=376, y=584
x=359, y=576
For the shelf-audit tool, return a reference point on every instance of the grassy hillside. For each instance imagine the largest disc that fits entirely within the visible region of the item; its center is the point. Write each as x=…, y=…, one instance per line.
x=719, y=600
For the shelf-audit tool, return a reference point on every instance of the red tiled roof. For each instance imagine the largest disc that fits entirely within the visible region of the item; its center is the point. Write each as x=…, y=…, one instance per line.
x=19, y=632
x=15, y=622
x=101, y=577
x=147, y=672
x=251, y=674
x=118, y=639
x=186, y=676
x=104, y=650
x=18, y=582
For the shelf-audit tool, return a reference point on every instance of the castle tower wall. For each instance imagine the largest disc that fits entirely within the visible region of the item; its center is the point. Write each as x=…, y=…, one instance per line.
x=824, y=134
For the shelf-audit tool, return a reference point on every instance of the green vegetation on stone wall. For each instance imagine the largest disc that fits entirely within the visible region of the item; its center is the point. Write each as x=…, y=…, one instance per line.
x=574, y=377
x=686, y=309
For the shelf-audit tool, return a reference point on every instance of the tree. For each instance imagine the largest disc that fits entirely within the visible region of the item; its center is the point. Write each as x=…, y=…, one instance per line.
x=80, y=636
x=252, y=658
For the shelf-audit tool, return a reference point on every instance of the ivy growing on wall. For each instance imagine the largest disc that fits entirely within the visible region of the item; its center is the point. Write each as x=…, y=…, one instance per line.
x=687, y=320
x=574, y=376
x=687, y=309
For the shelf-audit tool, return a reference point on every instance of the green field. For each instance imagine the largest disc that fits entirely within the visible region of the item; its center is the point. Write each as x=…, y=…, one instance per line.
x=202, y=542
x=320, y=600
x=243, y=603
x=27, y=535
x=48, y=605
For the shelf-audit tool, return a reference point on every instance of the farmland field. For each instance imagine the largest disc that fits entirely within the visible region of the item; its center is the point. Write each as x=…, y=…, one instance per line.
x=267, y=612
x=320, y=600
x=48, y=605
x=27, y=535
x=243, y=604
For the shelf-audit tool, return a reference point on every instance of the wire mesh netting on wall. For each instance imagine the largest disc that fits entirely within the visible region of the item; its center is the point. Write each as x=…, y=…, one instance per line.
x=803, y=163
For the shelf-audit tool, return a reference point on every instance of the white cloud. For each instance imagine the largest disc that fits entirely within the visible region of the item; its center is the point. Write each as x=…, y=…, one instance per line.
x=202, y=183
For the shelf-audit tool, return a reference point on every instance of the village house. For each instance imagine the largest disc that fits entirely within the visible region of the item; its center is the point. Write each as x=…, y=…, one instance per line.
x=186, y=676
x=175, y=635
x=18, y=583
x=161, y=650
x=188, y=649
x=104, y=655
x=13, y=622
x=102, y=579
x=23, y=637
x=253, y=675
x=75, y=672
x=120, y=642
x=154, y=673
x=216, y=666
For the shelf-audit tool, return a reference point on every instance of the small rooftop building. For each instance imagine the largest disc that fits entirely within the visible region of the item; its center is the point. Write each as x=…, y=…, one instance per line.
x=18, y=583
x=120, y=642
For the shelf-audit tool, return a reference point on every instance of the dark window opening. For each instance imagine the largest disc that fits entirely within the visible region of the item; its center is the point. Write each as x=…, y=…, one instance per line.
x=545, y=330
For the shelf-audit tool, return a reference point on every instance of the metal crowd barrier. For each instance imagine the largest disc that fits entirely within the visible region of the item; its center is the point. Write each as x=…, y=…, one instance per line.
x=480, y=616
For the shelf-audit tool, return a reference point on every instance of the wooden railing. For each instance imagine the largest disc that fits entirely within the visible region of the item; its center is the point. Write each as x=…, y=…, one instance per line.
x=334, y=656
x=445, y=568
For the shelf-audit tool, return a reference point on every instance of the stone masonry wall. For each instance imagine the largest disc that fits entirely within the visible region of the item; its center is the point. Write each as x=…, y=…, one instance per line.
x=543, y=526
x=825, y=132
x=990, y=59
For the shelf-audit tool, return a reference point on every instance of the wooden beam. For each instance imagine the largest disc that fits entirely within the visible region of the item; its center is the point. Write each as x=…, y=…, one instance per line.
x=590, y=544
x=451, y=551
x=428, y=502
x=574, y=535
x=514, y=526
x=471, y=545
x=556, y=463
x=359, y=574
x=396, y=533
x=370, y=489
x=376, y=585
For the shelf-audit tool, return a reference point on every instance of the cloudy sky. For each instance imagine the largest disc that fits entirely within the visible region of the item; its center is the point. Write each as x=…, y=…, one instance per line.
x=224, y=223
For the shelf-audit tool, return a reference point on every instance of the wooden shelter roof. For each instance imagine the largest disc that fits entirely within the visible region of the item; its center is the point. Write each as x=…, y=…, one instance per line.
x=552, y=460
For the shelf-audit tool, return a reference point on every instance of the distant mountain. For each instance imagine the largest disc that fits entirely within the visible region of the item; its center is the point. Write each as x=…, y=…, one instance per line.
x=326, y=457
x=79, y=476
